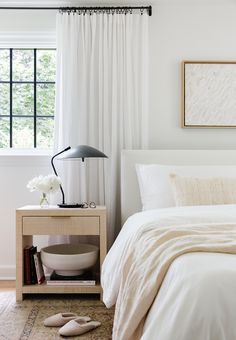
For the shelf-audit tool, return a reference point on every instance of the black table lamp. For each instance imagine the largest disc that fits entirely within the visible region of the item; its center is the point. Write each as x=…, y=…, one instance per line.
x=80, y=151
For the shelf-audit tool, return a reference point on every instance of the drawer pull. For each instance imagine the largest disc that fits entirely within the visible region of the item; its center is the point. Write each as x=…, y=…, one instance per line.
x=60, y=216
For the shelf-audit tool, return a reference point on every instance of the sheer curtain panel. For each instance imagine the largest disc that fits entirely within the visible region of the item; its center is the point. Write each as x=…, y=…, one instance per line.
x=101, y=100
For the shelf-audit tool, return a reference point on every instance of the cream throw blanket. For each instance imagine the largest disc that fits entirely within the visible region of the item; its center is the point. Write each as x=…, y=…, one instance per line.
x=146, y=262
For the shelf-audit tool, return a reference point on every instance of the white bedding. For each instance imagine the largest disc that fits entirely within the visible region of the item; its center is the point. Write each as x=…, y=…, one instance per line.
x=197, y=299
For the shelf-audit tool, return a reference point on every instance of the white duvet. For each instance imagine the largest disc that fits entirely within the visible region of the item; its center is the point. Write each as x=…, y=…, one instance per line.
x=197, y=299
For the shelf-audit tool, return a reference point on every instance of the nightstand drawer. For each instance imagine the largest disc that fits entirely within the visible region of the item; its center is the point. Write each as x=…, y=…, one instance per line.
x=61, y=225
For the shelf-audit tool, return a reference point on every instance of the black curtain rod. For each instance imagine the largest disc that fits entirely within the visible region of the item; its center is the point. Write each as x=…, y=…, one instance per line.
x=148, y=8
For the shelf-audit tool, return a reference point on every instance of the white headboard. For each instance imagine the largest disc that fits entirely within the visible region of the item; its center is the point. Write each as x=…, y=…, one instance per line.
x=130, y=197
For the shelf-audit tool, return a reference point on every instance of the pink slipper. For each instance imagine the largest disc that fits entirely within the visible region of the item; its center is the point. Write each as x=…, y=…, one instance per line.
x=61, y=319
x=76, y=327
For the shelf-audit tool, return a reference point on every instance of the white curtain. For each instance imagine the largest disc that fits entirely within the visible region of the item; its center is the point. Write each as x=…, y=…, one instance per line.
x=101, y=101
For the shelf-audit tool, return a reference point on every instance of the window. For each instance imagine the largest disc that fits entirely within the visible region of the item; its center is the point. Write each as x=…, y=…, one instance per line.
x=27, y=97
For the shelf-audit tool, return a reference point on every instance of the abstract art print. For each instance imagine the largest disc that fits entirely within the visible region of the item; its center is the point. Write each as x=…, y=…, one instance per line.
x=209, y=94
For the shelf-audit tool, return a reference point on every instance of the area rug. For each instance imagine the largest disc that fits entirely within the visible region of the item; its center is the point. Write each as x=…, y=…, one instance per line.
x=24, y=320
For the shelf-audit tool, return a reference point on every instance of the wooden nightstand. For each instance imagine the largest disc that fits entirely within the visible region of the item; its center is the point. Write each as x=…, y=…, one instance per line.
x=33, y=220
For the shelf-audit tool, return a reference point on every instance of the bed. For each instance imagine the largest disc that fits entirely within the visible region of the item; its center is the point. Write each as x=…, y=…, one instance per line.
x=172, y=270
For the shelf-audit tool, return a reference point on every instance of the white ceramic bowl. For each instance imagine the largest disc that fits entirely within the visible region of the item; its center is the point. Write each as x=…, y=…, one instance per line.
x=69, y=259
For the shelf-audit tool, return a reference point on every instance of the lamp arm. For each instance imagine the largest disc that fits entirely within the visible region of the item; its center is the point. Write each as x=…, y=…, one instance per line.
x=54, y=169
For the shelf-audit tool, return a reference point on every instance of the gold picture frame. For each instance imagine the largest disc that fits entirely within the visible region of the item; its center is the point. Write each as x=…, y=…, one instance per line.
x=208, y=94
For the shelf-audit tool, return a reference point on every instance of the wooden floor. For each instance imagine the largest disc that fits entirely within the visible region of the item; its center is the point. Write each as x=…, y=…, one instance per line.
x=6, y=286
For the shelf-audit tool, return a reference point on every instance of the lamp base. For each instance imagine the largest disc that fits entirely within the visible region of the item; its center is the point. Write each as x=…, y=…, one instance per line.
x=71, y=205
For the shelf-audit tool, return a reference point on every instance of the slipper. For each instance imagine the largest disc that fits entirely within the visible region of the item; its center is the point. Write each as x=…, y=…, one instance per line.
x=61, y=319
x=75, y=327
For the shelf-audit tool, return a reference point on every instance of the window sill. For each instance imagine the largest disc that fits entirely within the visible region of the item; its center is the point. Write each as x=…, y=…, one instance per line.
x=25, y=158
x=26, y=152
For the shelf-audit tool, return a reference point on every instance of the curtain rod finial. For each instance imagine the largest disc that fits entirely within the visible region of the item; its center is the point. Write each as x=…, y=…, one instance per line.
x=150, y=11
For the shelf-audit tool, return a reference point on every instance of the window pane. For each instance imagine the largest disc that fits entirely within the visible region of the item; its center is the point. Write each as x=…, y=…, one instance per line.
x=23, y=132
x=45, y=132
x=45, y=99
x=23, y=65
x=46, y=65
x=4, y=65
x=4, y=132
x=4, y=99
x=23, y=99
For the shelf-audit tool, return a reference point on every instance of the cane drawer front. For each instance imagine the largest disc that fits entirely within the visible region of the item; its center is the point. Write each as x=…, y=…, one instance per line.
x=61, y=225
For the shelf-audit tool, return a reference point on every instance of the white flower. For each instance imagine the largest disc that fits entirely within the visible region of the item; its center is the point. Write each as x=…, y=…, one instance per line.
x=46, y=184
x=33, y=183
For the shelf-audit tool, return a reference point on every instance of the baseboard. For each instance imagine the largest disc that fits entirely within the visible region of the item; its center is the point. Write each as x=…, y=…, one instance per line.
x=7, y=272
x=6, y=285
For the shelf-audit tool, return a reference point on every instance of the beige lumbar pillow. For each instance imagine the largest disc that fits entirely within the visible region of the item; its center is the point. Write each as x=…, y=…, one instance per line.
x=203, y=191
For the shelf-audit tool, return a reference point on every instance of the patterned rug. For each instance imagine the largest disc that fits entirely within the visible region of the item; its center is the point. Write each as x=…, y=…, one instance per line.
x=24, y=320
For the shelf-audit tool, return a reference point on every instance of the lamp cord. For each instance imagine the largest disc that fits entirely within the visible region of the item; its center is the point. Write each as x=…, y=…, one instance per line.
x=54, y=169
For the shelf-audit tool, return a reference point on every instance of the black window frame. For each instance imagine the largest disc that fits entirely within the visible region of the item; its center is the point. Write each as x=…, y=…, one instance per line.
x=34, y=82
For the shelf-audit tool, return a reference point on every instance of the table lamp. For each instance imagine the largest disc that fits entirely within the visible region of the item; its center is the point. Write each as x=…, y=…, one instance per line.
x=80, y=151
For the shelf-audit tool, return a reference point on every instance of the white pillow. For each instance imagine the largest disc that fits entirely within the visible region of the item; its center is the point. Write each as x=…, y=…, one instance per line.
x=203, y=191
x=154, y=182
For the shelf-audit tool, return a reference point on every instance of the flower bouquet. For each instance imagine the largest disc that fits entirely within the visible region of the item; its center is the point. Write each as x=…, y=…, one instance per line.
x=46, y=185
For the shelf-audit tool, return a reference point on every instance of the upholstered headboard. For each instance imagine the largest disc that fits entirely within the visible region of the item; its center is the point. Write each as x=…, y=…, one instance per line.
x=130, y=197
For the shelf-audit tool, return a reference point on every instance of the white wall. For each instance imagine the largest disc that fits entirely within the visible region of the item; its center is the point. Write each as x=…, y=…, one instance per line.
x=179, y=30
x=36, y=21
x=15, y=172
x=186, y=30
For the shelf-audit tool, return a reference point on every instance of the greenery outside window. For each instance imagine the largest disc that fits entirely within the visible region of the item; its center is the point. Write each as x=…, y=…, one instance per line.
x=27, y=97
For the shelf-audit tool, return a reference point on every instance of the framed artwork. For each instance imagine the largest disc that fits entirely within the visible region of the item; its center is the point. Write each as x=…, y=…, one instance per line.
x=209, y=94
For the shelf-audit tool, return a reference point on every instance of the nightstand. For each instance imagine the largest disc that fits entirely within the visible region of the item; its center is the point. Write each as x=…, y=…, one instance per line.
x=33, y=220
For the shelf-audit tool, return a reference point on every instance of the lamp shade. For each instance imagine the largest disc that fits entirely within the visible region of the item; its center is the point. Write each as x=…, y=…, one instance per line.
x=83, y=151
